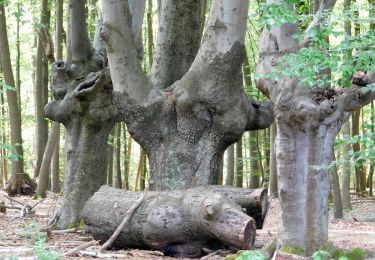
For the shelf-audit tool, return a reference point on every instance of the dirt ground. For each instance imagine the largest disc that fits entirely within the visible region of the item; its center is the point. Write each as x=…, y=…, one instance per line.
x=19, y=237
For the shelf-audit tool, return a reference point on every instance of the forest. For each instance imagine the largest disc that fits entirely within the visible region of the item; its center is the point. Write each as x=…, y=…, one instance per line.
x=182, y=129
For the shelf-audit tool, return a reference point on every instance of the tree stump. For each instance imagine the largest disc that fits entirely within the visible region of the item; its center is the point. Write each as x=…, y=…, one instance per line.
x=175, y=222
x=20, y=184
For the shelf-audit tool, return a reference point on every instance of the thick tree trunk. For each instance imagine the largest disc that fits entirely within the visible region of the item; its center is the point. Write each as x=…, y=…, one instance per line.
x=182, y=127
x=14, y=112
x=177, y=222
x=303, y=190
x=87, y=113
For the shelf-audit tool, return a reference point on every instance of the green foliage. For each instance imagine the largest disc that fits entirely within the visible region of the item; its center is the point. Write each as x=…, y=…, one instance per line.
x=246, y=255
x=4, y=87
x=250, y=255
x=11, y=152
x=292, y=250
x=329, y=48
x=32, y=232
x=331, y=252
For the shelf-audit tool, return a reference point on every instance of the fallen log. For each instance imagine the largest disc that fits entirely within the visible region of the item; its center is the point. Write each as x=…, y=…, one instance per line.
x=175, y=222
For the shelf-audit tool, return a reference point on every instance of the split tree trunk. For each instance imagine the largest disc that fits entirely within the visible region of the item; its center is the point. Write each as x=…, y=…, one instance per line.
x=176, y=222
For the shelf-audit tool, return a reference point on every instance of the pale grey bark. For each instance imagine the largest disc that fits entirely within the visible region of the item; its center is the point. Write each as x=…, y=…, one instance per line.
x=255, y=171
x=303, y=121
x=46, y=162
x=185, y=127
x=168, y=221
x=178, y=40
x=273, y=172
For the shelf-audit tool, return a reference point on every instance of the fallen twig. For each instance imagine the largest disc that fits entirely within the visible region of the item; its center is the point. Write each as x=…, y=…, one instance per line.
x=102, y=255
x=79, y=248
x=130, y=212
x=59, y=232
x=13, y=200
x=211, y=254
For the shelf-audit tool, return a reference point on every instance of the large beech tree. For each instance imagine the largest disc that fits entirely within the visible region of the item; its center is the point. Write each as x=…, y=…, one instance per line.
x=185, y=115
x=307, y=120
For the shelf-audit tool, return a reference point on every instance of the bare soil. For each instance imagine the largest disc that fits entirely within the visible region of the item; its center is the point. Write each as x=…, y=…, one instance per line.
x=18, y=236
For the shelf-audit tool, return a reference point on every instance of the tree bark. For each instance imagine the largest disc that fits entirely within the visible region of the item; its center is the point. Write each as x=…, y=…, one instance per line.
x=360, y=172
x=255, y=171
x=173, y=221
x=337, y=202
x=14, y=112
x=230, y=165
x=304, y=118
x=239, y=164
x=117, y=157
x=110, y=159
x=183, y=128
x=41, y=126
x=345, y=191
x=273, y=172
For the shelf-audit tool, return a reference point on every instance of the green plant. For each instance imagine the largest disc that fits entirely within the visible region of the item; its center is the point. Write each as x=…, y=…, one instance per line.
x=250, y=255
x=32, y=231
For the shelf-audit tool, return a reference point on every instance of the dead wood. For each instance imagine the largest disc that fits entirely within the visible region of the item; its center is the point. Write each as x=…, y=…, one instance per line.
x=79, y=248
x=175, y=222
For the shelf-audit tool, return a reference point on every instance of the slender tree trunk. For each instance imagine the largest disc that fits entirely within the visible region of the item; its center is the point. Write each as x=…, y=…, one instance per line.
x=273, y=172
x=337, y=203
x=110, y=159
x=55, y=164
x=371, y=170
x=150, y=37
x=126, y=159
x=359, y=169
x=239, y=164
x=139, y=169
x=117, y=158
x=44, y=169
x=14, y=112
x=41, y=88
x=345, y=191
x=18, y=57
x=254, y=161
x=142, y=180
x=230, y=165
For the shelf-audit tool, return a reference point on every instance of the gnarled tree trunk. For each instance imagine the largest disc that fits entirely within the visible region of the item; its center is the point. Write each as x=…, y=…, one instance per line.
x=307, y=121
x=184, y=117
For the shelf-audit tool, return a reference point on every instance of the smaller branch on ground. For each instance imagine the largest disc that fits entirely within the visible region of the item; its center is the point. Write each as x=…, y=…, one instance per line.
x=79, y=248
x=126, y=219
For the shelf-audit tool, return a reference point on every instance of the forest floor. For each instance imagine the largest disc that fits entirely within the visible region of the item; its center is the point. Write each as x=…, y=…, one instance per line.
x=21, y=237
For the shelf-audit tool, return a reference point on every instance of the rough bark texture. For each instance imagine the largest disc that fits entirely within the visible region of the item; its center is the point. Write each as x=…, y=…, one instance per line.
x=20, y=184
x=308, y=118
x=177, y=222
x=87, y=113
x=184, y=127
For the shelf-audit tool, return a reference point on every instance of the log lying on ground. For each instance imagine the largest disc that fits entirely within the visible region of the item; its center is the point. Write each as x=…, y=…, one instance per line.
x=175, y=222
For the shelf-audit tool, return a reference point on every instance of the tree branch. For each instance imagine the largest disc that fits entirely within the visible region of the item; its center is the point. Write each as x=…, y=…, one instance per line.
x=356, y=97
x=176, y=48
x=79, y=39
x=262, y=117
x=127, y=75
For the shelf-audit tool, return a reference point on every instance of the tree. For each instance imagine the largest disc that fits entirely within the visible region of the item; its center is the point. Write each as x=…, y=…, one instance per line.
x=307, y=118
x=185, y=116
x=14, y=111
